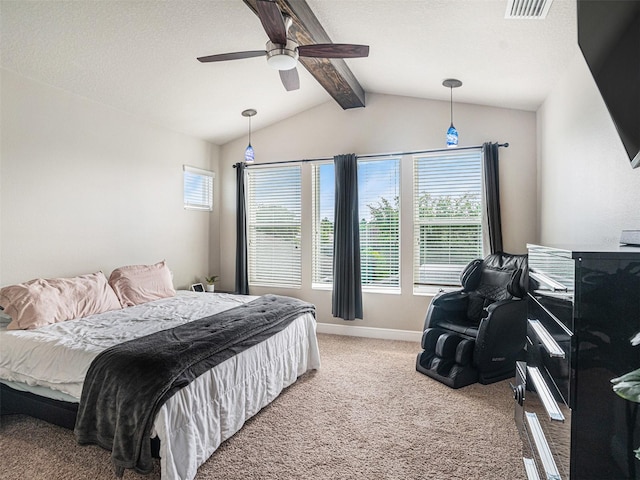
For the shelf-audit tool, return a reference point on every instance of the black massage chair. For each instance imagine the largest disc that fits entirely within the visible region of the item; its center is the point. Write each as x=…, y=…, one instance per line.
x=477, y=333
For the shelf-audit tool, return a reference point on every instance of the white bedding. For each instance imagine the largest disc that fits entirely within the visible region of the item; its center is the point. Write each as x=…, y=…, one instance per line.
x=193, y=423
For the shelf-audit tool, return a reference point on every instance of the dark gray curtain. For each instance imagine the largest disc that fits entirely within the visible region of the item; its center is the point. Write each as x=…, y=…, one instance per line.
x=347, y=287
x=492, y=196
x=242, y=272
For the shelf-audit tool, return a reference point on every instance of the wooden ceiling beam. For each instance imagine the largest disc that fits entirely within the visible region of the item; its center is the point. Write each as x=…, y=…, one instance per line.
x=333, y=74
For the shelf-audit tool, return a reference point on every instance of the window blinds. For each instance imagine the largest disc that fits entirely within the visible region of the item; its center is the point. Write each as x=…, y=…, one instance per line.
x=378, y=198
x=323, y=220
x=274, y=205
x=447, y=204
x=379, y=208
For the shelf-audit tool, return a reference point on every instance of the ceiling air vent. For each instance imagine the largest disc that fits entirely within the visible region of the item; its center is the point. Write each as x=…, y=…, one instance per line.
x=527, y=9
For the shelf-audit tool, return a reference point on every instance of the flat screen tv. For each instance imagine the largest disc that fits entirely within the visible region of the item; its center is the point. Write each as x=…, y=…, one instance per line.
x=609, y=37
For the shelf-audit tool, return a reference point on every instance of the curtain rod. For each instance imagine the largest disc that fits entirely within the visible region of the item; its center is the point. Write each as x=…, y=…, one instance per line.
x=373, y=155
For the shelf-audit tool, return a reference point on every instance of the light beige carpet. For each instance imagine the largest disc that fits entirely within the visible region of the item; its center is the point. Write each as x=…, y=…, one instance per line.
x=367, y=414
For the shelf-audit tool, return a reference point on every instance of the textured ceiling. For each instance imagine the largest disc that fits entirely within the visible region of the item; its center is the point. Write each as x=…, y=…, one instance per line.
x=140, y=56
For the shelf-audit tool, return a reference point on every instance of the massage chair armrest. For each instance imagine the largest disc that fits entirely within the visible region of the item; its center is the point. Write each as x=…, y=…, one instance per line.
x=447, y=306
x=503, y=331
x=507, y=310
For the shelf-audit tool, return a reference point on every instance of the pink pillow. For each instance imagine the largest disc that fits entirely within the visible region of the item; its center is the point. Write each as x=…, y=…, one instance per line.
x=136, y=284
x=41, y=302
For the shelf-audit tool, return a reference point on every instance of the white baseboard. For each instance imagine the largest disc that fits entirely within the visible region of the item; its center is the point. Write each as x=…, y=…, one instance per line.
x=369, y=332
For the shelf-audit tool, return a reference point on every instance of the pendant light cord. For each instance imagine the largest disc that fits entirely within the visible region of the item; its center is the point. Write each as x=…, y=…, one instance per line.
x=451, y=102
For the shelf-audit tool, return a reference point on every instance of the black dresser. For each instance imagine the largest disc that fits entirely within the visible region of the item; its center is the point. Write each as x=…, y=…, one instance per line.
x=584, y=308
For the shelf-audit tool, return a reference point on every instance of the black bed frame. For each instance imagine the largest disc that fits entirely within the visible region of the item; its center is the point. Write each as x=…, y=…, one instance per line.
x=57, y=412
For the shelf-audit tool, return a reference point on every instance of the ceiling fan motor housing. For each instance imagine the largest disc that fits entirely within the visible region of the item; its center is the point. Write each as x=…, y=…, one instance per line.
x=282, y=57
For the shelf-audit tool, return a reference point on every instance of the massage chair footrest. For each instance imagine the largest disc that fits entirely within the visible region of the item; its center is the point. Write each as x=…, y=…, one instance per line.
x=447, y=357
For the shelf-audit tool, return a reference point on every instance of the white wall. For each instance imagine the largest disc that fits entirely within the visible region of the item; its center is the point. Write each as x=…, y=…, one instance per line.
x=588, y=191
x=84, y=187
x=388, y=124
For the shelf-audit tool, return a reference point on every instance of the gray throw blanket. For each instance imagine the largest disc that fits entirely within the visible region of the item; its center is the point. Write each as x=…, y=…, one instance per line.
x=127, y=384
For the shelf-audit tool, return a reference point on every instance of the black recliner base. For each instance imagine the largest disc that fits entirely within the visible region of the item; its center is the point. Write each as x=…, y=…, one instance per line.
x=447, y=357
x=496, y=376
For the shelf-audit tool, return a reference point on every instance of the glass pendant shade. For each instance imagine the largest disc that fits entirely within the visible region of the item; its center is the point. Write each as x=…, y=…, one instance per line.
x=249, y=154
x=452, y=137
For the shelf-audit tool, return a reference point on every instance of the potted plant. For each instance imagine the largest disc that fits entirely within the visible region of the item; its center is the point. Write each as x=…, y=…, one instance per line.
x=210, y=283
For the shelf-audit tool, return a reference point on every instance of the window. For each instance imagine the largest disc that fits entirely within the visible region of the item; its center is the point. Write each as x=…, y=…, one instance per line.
x=274, y=204
x=447, y=203
x=323, y=201
x=198, y=188
x=378, y=196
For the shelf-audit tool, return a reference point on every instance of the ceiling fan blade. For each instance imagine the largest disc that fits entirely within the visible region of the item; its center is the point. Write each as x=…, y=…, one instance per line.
x=290, y=79
x=232, y=56
x=334, y=50
x=272, y=21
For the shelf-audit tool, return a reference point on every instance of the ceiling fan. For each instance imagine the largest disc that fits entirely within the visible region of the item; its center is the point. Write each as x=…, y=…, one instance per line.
x=282, y=52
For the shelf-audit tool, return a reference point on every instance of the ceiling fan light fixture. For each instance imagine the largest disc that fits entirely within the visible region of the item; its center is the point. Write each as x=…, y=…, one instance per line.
x=282, y=57
x=249, y=153
x=282, y=62
x=452, y=132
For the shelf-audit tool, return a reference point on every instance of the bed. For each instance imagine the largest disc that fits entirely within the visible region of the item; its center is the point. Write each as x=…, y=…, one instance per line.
x=51, y=362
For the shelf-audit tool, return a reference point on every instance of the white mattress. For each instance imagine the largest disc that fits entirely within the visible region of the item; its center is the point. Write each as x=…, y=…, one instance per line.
x=193, y=423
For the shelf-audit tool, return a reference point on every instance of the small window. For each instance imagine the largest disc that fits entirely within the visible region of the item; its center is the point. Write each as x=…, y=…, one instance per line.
x=198, y=188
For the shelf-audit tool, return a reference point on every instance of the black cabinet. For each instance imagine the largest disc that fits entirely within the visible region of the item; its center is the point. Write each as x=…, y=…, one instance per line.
x=584, y=308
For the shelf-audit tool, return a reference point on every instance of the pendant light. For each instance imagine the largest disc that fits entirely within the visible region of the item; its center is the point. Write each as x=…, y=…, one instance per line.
x=452, y=133
x=249, y=154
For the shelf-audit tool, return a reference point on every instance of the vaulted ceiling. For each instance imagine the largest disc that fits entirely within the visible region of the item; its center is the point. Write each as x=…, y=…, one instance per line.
x=140, y=56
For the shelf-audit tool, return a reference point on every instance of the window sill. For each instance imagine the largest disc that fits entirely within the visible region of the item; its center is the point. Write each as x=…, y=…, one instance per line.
x=434, y=289
x=365, y=289
x=384, y=291
x=264, y=285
